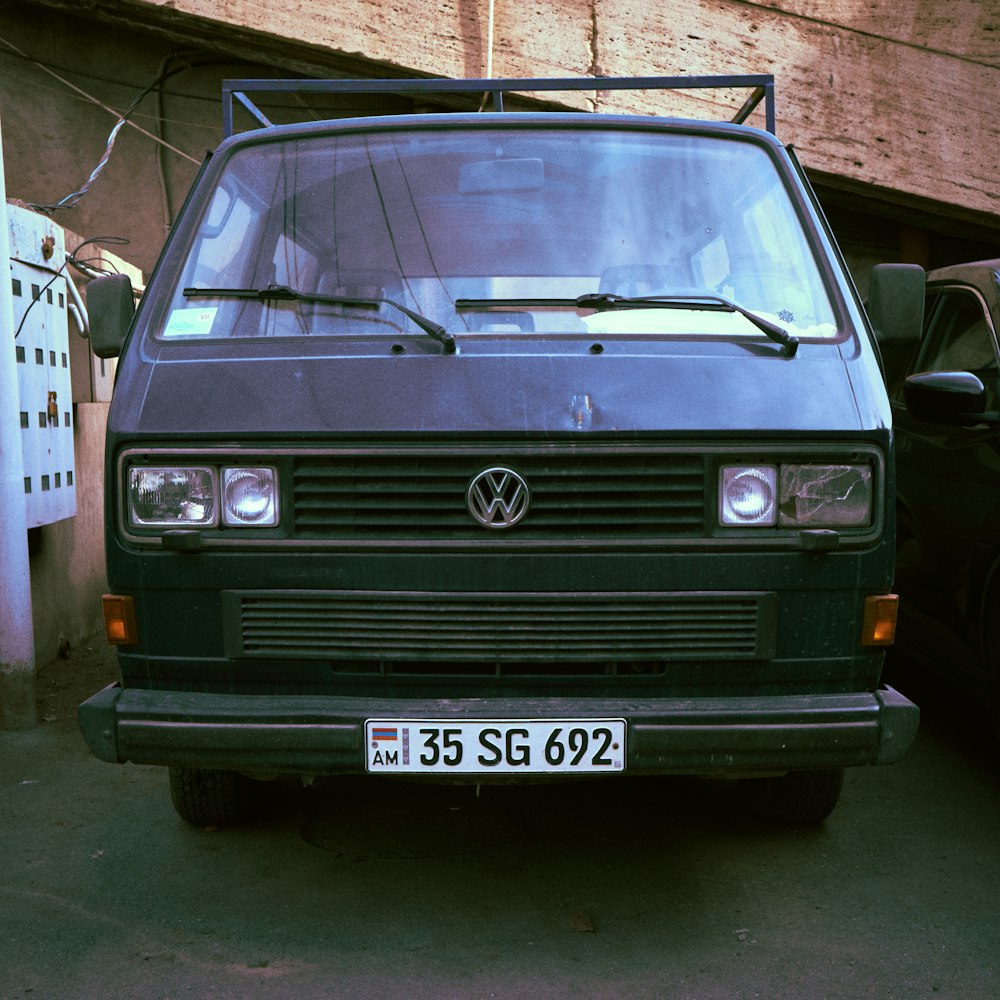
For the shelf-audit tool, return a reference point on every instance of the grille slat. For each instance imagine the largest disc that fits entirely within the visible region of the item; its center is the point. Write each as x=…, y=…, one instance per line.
x=421, y=497
x=504, y=628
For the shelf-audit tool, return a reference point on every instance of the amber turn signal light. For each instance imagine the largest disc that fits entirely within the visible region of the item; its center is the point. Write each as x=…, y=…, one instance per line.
x=119, y=620
x=879, y=628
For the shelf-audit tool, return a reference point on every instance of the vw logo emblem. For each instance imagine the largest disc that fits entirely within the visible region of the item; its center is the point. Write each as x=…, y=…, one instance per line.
x=497, y=498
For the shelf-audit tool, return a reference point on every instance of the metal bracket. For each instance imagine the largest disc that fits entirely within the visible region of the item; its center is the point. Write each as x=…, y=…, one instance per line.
x=762, y=87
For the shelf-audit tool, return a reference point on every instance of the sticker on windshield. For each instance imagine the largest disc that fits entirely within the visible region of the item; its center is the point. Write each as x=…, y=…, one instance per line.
x=191, y=322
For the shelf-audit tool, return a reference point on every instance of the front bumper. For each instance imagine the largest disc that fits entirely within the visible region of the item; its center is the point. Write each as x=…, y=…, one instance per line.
x=322, y=735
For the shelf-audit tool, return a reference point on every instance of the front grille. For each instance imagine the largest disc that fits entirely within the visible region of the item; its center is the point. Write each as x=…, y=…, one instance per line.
x=508, y=632
x=593, y=497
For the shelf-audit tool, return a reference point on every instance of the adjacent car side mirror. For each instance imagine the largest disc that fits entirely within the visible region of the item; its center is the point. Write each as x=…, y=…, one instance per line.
x=110, y=307
x=956, y=398
x=895, y=302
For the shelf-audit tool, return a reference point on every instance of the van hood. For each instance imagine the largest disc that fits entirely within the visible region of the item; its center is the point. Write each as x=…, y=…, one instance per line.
x=476, y=393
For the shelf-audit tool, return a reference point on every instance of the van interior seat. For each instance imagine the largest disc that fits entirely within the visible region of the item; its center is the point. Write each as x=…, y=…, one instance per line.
x=647, y=279
x=364, y=283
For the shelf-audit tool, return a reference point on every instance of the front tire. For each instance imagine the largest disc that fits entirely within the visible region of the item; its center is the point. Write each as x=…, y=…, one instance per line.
x=210, y=798
x=797, y=798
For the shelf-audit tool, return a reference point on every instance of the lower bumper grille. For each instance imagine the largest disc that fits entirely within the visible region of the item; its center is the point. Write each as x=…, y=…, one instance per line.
x=435, y=632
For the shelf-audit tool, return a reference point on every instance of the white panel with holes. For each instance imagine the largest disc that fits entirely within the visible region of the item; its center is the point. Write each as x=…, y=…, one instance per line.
x=41, y=346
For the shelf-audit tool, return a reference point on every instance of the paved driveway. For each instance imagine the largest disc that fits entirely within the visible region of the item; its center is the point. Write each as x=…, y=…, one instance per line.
x=651, y=888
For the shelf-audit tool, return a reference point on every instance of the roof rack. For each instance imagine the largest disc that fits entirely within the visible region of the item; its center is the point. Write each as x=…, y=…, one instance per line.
x=761, y=87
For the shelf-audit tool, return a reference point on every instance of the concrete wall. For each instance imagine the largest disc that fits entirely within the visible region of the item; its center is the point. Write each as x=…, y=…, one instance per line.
x=890, y=105
x=893, y=98
x=67, y=558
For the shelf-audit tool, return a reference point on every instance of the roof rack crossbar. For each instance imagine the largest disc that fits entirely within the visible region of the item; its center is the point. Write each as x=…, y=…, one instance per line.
x=762, y=86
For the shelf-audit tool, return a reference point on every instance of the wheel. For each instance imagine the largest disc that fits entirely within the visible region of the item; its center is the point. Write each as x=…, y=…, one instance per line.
x=799, y=797
x=210, y=798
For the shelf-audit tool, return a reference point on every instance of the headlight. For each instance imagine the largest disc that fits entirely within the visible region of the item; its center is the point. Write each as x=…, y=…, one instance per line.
x=747, y=495
x=202, y=496
x=825, y=496
x=796, y=495
x=249, y=497
x=172, y=496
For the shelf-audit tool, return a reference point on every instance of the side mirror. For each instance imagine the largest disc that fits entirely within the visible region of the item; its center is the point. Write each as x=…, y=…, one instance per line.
x=896, y=303
x=110, y=307
x=957, y=398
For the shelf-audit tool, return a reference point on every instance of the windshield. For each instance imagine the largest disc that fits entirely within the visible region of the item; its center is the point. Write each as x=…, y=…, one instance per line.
x=496, y=231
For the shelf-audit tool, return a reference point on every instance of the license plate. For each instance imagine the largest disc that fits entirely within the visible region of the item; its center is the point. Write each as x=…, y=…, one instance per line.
x=495, y=746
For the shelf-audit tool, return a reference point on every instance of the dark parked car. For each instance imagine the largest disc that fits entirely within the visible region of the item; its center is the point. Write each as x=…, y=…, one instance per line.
x=948, y=467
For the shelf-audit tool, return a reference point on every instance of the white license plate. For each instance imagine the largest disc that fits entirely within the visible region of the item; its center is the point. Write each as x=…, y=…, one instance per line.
x=494, y=746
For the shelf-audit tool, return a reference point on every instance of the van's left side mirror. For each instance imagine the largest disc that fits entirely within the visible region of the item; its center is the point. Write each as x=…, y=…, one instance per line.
x=895, y=303
x=110, y=307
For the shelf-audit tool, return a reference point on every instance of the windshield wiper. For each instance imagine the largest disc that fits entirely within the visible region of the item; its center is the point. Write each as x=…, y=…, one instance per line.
x=710, y=302
x=600, y=301
x=273, y=293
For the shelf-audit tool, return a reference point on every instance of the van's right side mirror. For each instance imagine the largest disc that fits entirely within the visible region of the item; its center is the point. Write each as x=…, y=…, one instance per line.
x=110, y=307
x=895, y=303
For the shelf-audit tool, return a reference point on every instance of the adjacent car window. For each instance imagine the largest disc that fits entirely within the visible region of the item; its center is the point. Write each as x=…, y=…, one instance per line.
x=489, y=231
x=959, y=337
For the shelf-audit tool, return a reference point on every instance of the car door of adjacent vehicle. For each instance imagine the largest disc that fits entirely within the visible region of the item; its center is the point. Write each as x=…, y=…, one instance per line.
x=949, y=478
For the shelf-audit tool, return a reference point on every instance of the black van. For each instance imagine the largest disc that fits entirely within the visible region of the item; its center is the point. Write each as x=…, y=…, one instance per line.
x=501, y=445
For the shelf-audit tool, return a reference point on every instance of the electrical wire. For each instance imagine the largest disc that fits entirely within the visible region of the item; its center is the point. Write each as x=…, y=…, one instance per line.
x=73, y=198
x=489, y=41
x=71, y=258
x=50, y=67
x=36, y=298
x=160, y=120
x=93, y=267
x=343, y=109
x=138, y=116
x=91, y=99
